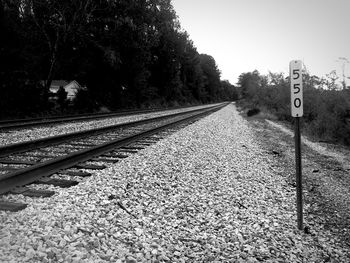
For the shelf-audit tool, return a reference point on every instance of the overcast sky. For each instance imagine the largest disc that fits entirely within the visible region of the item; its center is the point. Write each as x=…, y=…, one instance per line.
x=243, y=35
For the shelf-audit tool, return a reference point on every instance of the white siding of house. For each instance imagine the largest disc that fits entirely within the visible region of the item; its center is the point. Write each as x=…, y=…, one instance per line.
x=71, y=89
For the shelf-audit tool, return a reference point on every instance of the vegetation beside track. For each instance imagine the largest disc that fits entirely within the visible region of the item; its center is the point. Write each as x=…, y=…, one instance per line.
x=326, y=105
x=126, y=55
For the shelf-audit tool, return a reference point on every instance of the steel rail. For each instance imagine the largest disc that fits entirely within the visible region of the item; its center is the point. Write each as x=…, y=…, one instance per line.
x=34, y=144
x=22, y=123
x=31, y=174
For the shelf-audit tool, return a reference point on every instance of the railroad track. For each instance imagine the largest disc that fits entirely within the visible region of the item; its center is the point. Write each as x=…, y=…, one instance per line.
x=25, y=123
x=22, y=164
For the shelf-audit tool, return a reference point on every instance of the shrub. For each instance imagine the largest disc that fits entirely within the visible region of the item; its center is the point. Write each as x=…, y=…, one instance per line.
x=326, y=112
x=253, y=112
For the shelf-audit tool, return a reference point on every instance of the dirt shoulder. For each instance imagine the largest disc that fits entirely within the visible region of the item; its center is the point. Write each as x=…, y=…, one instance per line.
x=326, y=176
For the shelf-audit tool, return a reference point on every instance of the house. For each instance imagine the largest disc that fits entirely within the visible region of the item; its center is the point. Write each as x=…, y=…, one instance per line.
x=71, y=87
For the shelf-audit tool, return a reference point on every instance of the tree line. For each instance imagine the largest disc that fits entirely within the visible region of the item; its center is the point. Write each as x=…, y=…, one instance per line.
x=126, y=53
x=326, y=103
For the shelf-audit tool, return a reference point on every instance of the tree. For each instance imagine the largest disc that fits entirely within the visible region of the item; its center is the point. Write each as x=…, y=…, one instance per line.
x=56, y=22
x=127, y=54
x=211, y=76
x=332, y=80
x=250, y=83
x=344, y=61
x=19, y=91
x=228, y=91
x=62, y=97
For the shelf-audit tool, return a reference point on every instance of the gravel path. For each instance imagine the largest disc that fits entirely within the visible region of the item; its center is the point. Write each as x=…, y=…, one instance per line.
x=343, y=159
x=37, y=132
x=207, y=193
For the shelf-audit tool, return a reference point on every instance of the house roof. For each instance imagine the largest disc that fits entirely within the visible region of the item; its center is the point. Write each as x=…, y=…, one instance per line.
x=74, y=82
x=59, y=83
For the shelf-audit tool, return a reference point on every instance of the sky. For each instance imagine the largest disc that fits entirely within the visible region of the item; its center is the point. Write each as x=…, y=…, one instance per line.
x=244, y=35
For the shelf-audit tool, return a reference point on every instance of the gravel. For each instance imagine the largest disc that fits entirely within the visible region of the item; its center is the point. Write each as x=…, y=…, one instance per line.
x=343, y=159
x=37, y=132
x=207, y=193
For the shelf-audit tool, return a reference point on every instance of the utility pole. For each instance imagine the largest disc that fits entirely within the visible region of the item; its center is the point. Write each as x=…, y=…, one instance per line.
x=344, y=61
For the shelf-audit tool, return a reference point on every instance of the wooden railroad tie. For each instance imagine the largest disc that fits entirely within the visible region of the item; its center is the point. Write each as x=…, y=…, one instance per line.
x=11, y=206
x=32, y=192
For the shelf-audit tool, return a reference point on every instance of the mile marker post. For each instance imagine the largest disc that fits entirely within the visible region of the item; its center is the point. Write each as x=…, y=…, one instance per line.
x=296, y=89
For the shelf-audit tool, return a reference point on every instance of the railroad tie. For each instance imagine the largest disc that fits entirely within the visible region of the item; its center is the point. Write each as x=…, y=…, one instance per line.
x=32, y=192
x=41, y=156
x=127, y=150
x=11, y=206
x=115, y=155
x=8, y=169
x=145, y=144
x=106, y=160
x=149, y=141
x=75, y=173
x=83, y=144
x=132, y=148
x=9, y=161
x=63, y=183
x=90, y=166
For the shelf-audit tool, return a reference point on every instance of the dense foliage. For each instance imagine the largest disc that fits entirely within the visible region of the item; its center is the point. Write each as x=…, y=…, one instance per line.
x=326, y=104
x=127, y=54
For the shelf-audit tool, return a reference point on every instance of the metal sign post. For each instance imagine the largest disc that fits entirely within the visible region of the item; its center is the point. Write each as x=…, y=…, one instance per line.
x=296, y=87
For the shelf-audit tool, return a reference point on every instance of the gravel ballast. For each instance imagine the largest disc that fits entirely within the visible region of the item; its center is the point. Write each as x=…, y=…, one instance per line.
x=37, y=132
x=207, y=193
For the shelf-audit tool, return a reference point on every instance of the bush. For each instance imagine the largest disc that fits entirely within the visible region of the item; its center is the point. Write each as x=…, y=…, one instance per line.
x=21, y=97
x=326, y=112
x=253, y=112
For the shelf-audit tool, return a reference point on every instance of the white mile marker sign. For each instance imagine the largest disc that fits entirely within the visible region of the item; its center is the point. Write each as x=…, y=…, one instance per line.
x=296, y=88
x=296, y=92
